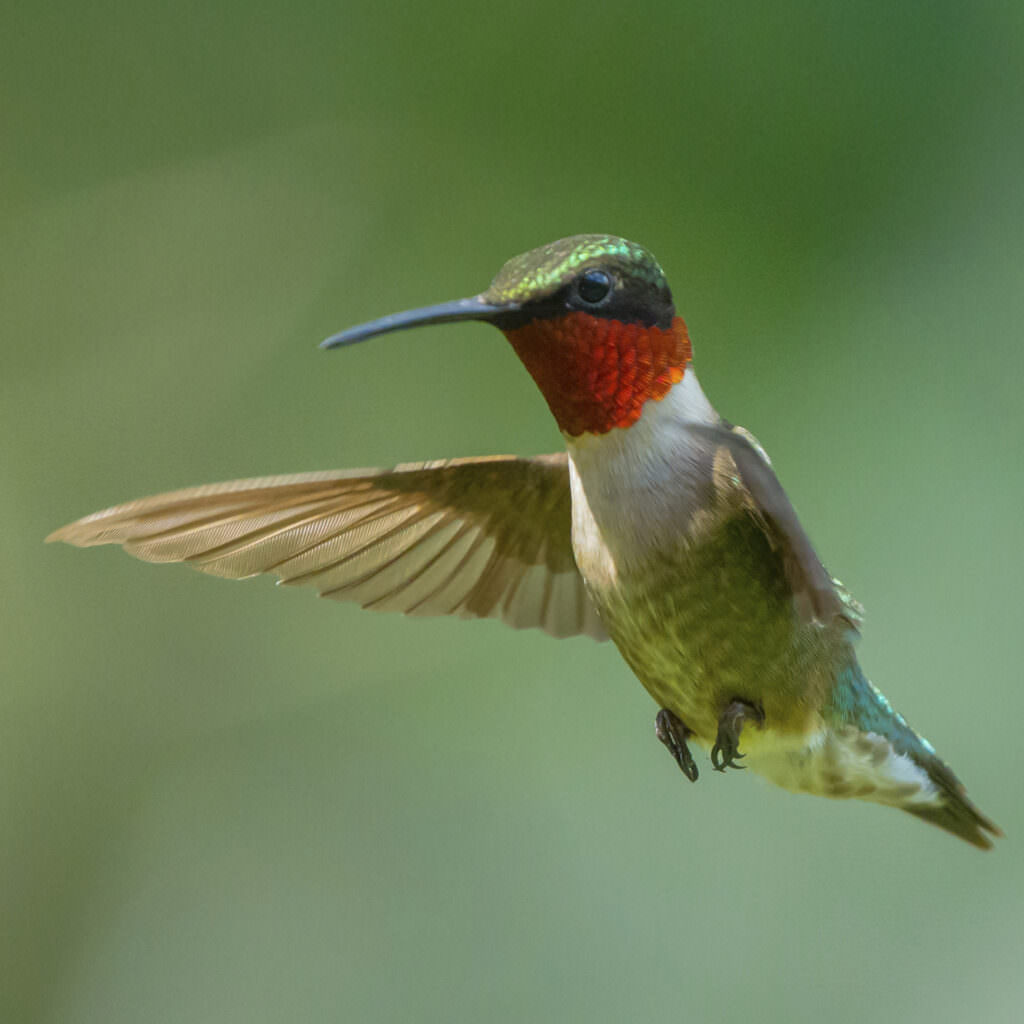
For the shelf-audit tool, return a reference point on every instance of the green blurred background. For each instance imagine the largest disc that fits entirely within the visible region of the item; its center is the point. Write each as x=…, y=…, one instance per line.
x=220, y=802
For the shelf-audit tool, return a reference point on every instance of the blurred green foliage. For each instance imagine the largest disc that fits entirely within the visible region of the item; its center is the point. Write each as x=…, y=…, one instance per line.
x=226, y=803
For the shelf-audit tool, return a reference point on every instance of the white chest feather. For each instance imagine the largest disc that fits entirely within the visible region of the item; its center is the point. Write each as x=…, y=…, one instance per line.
x=636, y=488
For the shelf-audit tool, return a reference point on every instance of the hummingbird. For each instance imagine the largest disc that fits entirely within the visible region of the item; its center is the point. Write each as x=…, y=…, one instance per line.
x=661, y=526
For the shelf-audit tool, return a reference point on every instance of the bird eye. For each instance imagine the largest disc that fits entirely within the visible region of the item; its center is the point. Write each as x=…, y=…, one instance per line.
x=593, y=286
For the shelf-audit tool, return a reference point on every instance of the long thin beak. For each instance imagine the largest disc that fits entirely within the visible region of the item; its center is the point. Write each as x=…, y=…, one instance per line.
x=443, y=313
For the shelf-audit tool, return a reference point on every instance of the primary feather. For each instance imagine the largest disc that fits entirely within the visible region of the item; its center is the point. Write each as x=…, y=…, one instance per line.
x=480, y=538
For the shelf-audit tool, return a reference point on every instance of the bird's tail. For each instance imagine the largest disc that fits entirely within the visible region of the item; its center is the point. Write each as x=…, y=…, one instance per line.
x=937, y=796
x=953, y=810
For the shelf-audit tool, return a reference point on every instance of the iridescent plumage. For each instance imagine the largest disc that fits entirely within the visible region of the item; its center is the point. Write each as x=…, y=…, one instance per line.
x=663, y=527
x=534, y=275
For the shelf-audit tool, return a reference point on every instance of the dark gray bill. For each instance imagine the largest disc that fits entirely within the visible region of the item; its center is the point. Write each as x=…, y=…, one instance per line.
x=443, y=313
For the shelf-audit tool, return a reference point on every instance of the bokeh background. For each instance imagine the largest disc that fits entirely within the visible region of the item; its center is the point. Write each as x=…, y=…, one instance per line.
x=222, y=802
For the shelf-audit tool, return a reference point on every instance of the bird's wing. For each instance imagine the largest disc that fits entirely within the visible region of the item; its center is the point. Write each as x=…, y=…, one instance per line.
x=816, y=595
x=480, y=538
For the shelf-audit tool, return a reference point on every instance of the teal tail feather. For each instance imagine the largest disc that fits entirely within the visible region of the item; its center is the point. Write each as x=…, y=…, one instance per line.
x=858, y=703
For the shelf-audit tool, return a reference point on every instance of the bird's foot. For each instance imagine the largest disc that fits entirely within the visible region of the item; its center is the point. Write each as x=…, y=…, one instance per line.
x=668, y=727
x=726, y=751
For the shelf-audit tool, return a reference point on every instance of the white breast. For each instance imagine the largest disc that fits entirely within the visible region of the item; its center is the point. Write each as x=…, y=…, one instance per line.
x=641, y=486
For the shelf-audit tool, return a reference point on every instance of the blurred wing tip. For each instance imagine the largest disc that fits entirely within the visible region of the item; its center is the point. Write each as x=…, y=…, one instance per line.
x=82, y=533
x=68, y=535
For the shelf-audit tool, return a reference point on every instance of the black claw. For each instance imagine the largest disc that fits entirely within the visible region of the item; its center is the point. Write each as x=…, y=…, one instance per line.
x=722, y=759
x=669, y=728
x=726, y=751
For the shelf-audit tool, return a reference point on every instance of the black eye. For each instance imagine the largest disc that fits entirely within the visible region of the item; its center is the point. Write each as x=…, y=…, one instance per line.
x=593, y=286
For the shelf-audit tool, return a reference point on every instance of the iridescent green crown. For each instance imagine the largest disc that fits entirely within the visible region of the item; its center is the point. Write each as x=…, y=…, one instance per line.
x=541, y=272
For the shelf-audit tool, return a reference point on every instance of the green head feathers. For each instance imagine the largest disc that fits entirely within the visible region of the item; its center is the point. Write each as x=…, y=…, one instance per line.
x=541, y=272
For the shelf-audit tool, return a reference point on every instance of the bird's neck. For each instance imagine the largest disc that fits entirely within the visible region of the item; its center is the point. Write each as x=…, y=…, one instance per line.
x=598, y=374
x=639, y=491
x=660, y=449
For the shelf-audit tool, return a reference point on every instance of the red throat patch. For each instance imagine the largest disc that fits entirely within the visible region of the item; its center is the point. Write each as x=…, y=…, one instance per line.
x=597, y=373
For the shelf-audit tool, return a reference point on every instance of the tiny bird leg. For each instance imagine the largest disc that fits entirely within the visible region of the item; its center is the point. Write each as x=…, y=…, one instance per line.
x=669, y=728
x=726, y=751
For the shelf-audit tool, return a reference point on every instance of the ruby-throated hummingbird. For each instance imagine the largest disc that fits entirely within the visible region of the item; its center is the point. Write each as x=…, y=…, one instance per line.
x=662, y=526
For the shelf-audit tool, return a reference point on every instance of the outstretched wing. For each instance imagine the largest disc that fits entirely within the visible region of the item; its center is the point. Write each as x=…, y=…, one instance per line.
x=480, y=538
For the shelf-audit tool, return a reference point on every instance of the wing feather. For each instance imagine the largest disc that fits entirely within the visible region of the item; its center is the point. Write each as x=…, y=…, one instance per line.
x=816, y=594
x=479, y=538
